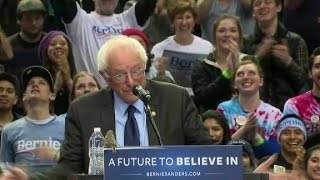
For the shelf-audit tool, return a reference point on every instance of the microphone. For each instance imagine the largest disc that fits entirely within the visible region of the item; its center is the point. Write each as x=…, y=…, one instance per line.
x=111, y=140
x=143, y=94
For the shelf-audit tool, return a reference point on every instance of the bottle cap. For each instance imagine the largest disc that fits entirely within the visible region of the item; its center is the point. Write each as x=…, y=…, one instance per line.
x=96, y=129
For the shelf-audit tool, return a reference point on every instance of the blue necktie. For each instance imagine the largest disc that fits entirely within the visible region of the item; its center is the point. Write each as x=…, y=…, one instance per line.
x=131, y=131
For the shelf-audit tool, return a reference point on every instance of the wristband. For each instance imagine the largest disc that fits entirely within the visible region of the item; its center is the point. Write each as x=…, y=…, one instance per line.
x=226, y=74
x=259, y=141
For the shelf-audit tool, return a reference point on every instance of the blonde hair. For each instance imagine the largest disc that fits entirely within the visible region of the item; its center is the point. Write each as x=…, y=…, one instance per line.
x=76, y=77
x=246, y=60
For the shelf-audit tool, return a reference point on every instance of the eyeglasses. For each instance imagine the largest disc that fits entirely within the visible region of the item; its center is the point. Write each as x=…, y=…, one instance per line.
x=134, y=73
x=6, y=90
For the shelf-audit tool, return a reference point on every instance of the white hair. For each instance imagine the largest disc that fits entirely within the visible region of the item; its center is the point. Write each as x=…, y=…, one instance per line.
x=116, y=42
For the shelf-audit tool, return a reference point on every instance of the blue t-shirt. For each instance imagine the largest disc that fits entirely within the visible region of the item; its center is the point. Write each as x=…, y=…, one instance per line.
x=22, y=136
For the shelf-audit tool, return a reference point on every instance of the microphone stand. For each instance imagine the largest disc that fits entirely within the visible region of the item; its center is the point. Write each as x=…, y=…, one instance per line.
x=149, y=116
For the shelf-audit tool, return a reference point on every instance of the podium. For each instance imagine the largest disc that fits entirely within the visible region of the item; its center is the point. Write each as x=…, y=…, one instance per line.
x=173, y=163
x=205, y=162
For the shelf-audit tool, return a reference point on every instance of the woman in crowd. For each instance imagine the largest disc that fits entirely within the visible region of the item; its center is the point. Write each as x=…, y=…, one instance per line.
x=217, y=126
x=211, y=77
x=55, y=52
x=182, y=15
x=248, y=116
x=83, y=83
x=312, y=163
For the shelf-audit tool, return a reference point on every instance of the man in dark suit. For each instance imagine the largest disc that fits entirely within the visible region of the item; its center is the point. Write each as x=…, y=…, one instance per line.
x=121, y=62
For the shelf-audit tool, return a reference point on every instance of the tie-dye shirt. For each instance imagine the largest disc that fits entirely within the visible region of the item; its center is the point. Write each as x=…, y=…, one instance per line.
x=307, y=107
x=267, y=116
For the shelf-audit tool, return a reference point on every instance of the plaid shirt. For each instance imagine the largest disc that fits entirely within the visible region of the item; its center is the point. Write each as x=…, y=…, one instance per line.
x=280, y=82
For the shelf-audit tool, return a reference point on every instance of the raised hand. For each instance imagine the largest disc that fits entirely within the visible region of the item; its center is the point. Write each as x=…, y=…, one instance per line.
x=264, y=48
x=15, y=174
x=247, y=129
x=58, y=83
x=281, y=51
x=234, y=49
x=5, y=47
x=233, y=56
x=63, y=75
x=251, y=123
x=250, y=127
x=64, y=67
x=298, y=162
x=266, y=166
x=66, y=75
x=161, y=64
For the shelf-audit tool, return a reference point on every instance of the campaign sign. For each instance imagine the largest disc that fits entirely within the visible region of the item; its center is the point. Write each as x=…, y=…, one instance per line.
x=180, y=65
x=174, y=162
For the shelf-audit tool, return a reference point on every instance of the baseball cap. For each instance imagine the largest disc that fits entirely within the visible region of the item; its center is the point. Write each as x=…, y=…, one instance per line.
x=30, y=5
x=246, y=147
x=33, y=71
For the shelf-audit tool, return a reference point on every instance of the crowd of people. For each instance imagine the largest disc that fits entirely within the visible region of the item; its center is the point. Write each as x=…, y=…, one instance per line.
x=251, y=75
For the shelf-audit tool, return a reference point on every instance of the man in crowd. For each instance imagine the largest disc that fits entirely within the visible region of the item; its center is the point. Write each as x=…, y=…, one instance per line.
x=122, y=62
x=8, y=98
x=307, y=105
x=30, y=18
x=283, y=55
x=292, y=135
x=88, y=32
x=24, y=140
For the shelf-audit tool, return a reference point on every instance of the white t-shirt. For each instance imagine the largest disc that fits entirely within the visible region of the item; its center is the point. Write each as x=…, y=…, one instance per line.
x=198, y=46
x=88, y=32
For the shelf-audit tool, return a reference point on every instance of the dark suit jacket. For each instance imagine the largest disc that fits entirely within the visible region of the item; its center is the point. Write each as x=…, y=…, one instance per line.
x=176, y=117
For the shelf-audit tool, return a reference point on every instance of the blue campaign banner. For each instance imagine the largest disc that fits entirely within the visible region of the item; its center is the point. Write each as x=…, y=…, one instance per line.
x=180, y=65
x=174, y=162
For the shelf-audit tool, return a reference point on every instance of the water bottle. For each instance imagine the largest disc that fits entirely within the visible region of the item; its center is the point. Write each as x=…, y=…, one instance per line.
x=96, y=146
